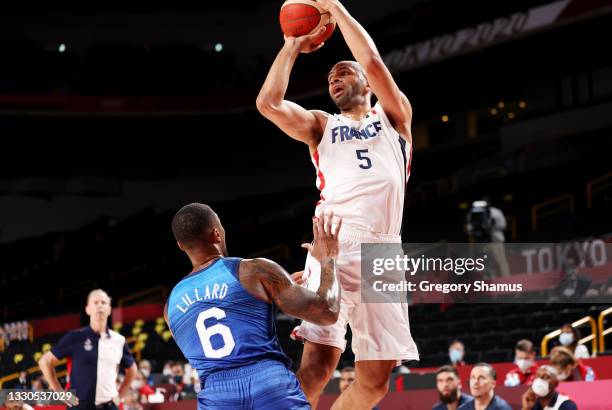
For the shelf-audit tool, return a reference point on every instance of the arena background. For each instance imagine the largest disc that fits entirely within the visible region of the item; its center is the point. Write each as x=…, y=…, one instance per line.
x=114, y=115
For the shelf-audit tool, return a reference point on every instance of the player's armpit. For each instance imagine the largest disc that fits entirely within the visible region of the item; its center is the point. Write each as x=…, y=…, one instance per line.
x=268, y=281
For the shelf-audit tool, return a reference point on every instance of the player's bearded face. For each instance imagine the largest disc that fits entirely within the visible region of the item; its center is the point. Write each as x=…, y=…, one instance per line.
x=448, y=396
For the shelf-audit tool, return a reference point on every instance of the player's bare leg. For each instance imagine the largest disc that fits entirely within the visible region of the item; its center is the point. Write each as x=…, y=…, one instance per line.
x=316, y=368
x=370, y=385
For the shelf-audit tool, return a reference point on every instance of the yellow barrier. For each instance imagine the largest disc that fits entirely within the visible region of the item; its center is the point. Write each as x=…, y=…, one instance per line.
x=603, y=332
x=563, y=202
x=590, y=338
x=604, y=182
x=31, y=370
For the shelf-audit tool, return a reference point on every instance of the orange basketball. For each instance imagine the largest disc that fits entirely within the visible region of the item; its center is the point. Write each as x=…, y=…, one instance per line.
x=300, y=17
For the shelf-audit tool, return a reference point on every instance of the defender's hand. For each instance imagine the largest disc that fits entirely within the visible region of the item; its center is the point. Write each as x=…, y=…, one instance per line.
x=325, y=244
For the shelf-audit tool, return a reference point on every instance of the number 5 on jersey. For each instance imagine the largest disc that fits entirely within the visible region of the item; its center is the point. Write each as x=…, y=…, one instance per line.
x=206, y=333
x=361, y=155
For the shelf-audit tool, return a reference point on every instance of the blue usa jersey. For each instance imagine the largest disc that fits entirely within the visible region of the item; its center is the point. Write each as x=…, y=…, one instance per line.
x=218, y=325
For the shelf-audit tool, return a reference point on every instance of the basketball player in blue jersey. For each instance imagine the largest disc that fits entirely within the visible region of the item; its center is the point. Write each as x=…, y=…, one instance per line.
x=222, y=314
x=362, y=157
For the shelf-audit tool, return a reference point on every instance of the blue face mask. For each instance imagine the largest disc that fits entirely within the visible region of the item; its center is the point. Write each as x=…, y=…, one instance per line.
x=455, y=355
x=178, y=379
x=566, y=339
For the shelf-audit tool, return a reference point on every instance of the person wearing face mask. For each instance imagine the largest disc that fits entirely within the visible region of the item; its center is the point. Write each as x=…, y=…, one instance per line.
x=526, y=367
x=543, y=395
x=456, y=352
x=569, y=337
x=145, y=368
x=448, y=385
x=568, y=368
x=141, y=387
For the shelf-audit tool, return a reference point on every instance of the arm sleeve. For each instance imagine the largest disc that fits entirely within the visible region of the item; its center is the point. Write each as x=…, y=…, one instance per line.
x=65, y=346
x=127, y=360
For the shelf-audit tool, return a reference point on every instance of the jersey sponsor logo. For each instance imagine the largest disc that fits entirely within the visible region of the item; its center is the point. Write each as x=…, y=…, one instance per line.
x=343, y=133
x=196, y=295
x=87, y=345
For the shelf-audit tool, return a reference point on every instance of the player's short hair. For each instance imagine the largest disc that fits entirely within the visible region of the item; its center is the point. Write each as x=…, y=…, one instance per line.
x=447, y=368
x=90, y=294
x=492, y=372
x=524, y=345
x=191, y=222
x=561, y=356
x=347, y=369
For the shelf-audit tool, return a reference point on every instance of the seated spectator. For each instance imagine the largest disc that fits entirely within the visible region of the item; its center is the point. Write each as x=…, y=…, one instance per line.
x=569, y=337
x=131, y=401
x=37, y=383
x=16, y=405
x=177, y=373
x=456, y=352
x=145, y=368
x=347, y=377
x=525, y=365
x=449, y=389
x=23, y=382
x=141, y=387
x=543, y=392
x=574, y=285
x=482, y=387
x=568, y=368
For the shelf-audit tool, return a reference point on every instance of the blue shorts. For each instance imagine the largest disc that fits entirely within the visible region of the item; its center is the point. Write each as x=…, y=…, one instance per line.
x=264, y=385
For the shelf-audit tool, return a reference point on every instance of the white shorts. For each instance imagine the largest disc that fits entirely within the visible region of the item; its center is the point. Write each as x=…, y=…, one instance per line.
x=381, y=331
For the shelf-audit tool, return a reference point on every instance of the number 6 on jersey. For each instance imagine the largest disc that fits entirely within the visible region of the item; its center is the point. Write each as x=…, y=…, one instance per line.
x=206, y=333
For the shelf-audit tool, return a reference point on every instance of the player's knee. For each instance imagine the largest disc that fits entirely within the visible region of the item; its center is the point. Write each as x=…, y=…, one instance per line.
x=314, y=376
x=376, y=389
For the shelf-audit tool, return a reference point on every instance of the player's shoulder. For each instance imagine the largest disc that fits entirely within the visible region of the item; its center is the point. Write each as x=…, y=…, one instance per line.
x=258, y=267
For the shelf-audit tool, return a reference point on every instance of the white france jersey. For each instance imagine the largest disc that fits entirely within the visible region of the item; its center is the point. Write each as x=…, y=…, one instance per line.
x=362, y=170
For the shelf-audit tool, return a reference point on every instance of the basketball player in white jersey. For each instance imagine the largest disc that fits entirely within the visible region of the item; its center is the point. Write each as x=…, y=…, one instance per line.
x=362, y=159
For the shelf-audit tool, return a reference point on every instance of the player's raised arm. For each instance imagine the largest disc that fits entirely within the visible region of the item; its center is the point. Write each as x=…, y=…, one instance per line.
x=294, y=120
x=267, y=280
x=394, y=102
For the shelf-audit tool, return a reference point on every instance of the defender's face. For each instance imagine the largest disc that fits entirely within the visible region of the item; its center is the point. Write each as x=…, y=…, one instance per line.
x=344, y=83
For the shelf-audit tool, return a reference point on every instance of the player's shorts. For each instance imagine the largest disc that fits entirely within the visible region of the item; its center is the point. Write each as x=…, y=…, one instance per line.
x=381, y=331
x=267, y=385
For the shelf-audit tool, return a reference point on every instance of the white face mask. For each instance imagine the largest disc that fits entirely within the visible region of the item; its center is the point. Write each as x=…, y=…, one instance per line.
x=145, y=372
x=136, y=384
x=524, y=364
x=455, y=355
x=566, y=339
x=540, y=387
x=562, y=376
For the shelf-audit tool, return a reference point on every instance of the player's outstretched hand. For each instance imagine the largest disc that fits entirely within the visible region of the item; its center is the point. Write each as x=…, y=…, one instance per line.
x=304, y=43
x=325, y=244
